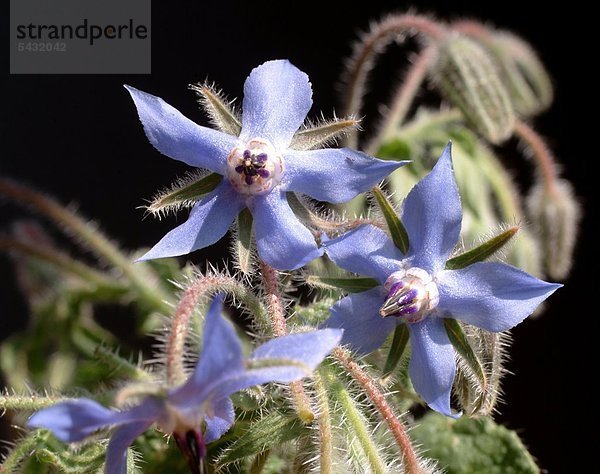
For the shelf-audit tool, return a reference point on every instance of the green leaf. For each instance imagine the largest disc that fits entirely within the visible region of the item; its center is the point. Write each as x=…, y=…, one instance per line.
x=397, y=348
x=243, y=243
x=184, y=193
x=396, y=149
x=463, y=347
x=350, y=284
x=483, y=251
x=397, y=230
x=120, y=365
x=472, y=445
x=322, y=133
x=271, y=430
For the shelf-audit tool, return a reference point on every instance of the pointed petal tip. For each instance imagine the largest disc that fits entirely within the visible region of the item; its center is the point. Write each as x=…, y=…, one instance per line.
x=446, y=155
x=441, y=406
x=153, y=255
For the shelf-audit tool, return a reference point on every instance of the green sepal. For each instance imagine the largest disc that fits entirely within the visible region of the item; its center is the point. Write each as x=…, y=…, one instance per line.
x=243, y=243
x=271, y=430
x=219, y=110
x=349, y=284
x=395, y=226
x=399, y=343
x=483, y=251
x=472, y=445
x=184, y=193
x=322, y=134
x=463, y=347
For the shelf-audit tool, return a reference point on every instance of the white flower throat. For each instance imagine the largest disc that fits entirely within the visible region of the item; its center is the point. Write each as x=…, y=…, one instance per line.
x=412, y=295
x=255, y=168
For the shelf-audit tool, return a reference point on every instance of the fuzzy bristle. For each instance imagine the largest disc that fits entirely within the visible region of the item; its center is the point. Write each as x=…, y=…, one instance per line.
x=221, y=112
x=166, y=201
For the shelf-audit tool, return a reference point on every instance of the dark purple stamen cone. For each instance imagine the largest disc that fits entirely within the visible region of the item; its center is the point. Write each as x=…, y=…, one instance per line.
x=400, y=301
x=263, y=172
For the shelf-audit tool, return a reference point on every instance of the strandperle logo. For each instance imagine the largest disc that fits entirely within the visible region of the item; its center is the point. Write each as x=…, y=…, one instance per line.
x=86, y=31
x=80, y=37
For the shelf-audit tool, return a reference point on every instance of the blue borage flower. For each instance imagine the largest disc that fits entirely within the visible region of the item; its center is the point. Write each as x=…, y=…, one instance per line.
x=417, y=291
x=258, y=167
x=199, y=411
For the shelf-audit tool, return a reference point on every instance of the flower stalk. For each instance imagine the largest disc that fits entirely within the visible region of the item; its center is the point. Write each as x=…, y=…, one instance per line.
x=77, y=227
x=371, y=45
x=276, y=312
x=368, y=384
x=544, y=160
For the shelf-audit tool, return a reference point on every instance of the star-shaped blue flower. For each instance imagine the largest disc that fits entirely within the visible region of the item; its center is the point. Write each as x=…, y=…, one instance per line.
x=417, y=291
x=258, y=167
x=202, y=401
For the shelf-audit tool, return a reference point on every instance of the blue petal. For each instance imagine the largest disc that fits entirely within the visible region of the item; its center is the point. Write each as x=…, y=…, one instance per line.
x=493, y=296
x=73, y=420
x=432, y=216
x=432, y=365
x=282, y=241
x=366, y=250
x=334, y=175
x=178, y=137
x=358, y=315
x=208, y=222
x=277, y=97
x=122, y=438
x=221, y=354
x=231, y=383
x=220, y=420
x=283, y=360
x=308, y=349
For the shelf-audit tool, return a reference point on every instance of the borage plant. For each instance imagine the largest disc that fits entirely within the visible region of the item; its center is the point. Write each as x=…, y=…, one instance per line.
x=404, y=305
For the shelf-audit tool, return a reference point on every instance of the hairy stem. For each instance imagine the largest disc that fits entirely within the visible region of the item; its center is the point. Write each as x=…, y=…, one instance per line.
x=325, y=432
x=276, y=313
x=372, y=44
x=403, y=99
x=275, y=307
x=12, y=462
x=27, y=402
x=60, y=260
x=203, y=286
x=472, y=28
x=544, y=160
x=411, y=462
x=355, y=422
x=77, y=227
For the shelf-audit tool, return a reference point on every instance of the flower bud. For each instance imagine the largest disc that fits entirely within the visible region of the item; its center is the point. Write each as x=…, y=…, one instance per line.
x=555, y=215
x=525, y=76
x=469, y=79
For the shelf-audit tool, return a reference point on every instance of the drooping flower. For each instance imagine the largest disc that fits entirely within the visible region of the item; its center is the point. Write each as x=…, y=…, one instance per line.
x=258, y=167
x=417, y=291
x=200, y=410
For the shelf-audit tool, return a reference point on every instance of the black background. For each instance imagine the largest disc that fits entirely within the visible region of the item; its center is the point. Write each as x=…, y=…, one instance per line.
x=78, y=138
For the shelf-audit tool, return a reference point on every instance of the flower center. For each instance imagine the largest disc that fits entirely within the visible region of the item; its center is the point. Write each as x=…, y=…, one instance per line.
x=254, y=169
x=412, y=295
